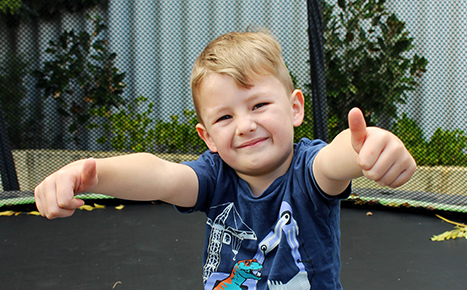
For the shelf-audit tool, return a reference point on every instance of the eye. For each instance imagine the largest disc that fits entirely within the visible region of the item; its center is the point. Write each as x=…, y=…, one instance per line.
x=257, y=106
x=226, y=117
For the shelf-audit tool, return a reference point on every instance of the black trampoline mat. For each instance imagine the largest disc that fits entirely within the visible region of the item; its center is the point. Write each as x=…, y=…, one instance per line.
x=393, y=250
x=142, y=246
x=147, y=246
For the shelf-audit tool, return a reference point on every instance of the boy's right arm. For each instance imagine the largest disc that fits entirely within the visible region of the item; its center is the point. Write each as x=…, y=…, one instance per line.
x=139, y=176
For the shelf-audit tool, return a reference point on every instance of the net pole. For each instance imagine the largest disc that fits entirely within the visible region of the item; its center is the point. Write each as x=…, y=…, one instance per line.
x=7, y=164
x=317, y=70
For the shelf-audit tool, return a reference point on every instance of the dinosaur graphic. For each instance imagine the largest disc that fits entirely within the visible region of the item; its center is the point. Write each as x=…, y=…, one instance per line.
x=243, y=270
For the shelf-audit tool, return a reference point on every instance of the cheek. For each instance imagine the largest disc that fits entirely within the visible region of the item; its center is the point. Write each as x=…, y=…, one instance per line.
x=277, y=125
x=221, y=137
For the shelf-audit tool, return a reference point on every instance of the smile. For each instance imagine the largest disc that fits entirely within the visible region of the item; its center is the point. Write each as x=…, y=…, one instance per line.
x=252, y=143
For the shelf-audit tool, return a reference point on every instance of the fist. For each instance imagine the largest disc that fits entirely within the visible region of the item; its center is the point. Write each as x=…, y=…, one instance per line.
x=381, y=155
x=55, y=195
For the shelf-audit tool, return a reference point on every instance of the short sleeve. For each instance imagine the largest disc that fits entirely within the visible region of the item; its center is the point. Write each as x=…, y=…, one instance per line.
x=306, y=151
x=214, y=178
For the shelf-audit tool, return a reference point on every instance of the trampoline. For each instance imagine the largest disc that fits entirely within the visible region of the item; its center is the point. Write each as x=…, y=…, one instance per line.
x=152, y=246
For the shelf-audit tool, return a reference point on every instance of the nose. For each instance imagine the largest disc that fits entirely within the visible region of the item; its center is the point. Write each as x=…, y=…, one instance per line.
x=245, y=125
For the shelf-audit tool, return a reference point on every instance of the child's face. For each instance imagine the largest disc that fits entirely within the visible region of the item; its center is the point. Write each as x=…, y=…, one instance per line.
x=251, y=129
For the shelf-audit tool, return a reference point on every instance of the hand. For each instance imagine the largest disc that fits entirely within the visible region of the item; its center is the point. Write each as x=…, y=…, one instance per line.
x=55, y=194
x=381, y=155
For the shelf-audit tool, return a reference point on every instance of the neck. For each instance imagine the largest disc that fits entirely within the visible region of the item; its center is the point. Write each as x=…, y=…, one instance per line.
x=259, y=183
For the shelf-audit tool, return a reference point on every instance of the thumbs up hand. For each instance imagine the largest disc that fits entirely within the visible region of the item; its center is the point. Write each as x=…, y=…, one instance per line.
x=382, y=156
x=55, y=195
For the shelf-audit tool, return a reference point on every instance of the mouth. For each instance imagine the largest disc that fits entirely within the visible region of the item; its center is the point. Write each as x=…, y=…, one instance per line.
x=252, y=143
x=256, y=273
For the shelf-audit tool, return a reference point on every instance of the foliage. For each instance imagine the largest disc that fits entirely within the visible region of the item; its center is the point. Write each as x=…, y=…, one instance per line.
x=129, y=131
x=81, y=74
x=17, y=11
x=459, y=232
x=444, y=148
x=366, y=52
x=447, y=148
x=179, y=137
x=412, y=136
x=9, y=6
x=134, y=131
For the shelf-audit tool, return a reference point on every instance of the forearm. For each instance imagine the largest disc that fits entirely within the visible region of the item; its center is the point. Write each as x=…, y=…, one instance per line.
x=141, y=176
x=127, y=176
x=336, y=164
x=341, y=159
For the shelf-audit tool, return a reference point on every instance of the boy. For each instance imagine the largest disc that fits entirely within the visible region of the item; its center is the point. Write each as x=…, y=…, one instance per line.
x=272, y=206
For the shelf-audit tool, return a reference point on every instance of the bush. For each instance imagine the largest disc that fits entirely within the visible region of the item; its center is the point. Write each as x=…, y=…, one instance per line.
x=81, y=75
x=131, y=131
x=366, y=51
x=179, y=137
x=125, y=130
x=446, y=147
x=412, y=136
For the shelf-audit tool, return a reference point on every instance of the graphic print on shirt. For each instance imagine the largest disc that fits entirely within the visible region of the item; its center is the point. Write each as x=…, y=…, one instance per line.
x=225, y=230
x=246, y=273
x=243, y=270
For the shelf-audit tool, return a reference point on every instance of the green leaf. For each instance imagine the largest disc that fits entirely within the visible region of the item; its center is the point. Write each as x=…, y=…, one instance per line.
x=101, y=140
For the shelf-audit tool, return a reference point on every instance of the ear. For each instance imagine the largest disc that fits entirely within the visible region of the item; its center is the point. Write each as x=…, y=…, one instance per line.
x=298, y=107
x=204, y=134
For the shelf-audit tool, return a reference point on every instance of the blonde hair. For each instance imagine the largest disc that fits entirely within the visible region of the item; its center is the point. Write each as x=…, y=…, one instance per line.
x=240, y=55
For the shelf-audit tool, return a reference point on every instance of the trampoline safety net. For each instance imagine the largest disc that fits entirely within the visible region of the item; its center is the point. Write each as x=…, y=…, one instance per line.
x=103, y=78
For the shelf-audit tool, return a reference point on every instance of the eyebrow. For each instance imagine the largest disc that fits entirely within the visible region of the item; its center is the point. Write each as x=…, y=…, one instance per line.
x=219, y=109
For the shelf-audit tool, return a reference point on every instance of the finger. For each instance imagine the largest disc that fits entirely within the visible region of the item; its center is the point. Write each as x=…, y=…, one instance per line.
x=388, y=171
x=65, y=195
x=358, y=131
x=381, y=169
x=47, y=201
x=375, y=151
x=394, y=178
x=40, y=193
x=68, y=185
x=401, y=179
x=383, y=175
x=37, y=199
x=400, y=173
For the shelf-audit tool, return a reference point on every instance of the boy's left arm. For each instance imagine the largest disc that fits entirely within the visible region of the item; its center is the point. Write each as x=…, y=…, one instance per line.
x=370, y=151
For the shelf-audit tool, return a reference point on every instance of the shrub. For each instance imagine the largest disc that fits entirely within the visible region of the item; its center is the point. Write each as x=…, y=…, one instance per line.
x=412, y=136
x=179, y=137
x=125, y=130
x=366, y=50
x=447, y=148
x=132, y=131
x=81, y=75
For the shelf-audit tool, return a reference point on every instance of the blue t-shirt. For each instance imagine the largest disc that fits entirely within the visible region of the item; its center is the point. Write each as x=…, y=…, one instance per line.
x=287, y=238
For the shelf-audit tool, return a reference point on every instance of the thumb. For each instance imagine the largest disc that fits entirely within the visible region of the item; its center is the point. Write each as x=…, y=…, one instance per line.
x=358, y=130
x=88, y=175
